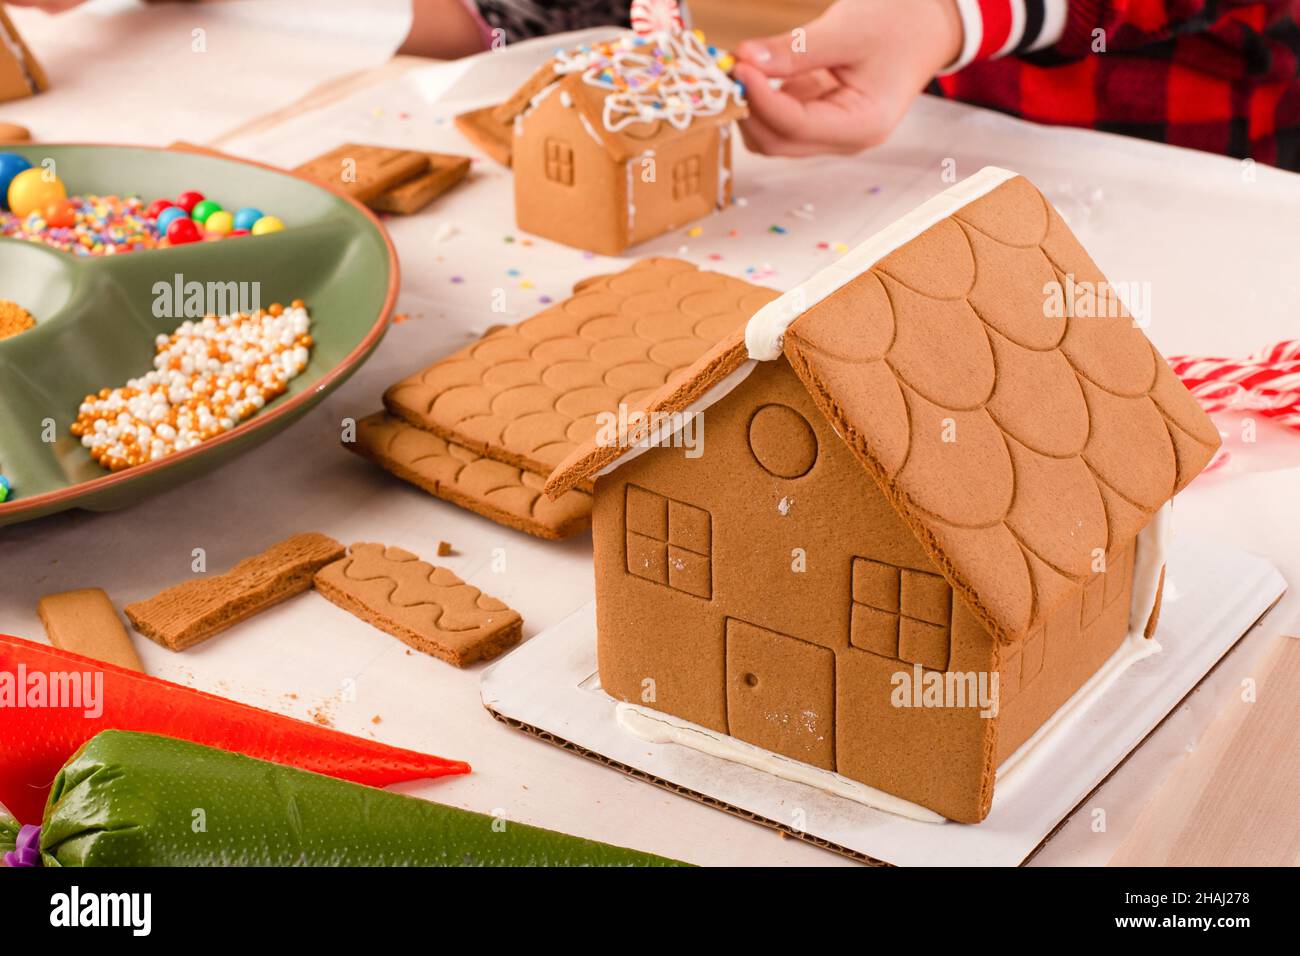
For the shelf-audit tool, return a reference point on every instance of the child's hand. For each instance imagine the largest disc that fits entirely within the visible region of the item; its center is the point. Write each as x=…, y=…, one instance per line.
x=850, y=77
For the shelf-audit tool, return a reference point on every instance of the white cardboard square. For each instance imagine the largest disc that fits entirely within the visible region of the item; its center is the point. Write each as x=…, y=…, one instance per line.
x=1213, y=596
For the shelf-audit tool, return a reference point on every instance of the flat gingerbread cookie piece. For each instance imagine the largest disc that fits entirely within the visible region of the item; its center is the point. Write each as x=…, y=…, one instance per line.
x=364, y=172
x=424, y=606
x=497, y=491
x=445, y=171
x=84, y=622
x=188, y=613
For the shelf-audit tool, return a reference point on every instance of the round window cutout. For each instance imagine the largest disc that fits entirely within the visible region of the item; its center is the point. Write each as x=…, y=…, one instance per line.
x=783, y=442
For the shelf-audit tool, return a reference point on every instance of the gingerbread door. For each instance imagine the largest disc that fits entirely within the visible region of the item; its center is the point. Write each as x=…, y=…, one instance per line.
x=781, y=693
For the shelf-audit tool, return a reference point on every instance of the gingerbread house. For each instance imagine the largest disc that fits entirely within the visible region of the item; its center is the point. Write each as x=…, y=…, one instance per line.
x=916, y=463
x=617, y=142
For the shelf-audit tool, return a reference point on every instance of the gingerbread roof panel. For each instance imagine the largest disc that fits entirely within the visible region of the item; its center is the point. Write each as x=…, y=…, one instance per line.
x=634, y=92
x=1040, y=437
x=1020, y=437
x=529, y=394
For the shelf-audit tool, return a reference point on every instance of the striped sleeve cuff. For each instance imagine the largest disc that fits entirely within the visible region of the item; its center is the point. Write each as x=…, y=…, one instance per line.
x=994, y=28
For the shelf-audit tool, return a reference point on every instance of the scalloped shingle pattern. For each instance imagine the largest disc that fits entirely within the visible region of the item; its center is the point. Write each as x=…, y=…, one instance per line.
x=1017, y=445
x=530, y=393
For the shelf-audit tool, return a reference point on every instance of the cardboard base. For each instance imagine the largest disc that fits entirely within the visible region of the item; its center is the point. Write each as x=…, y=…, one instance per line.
x=1213, y=596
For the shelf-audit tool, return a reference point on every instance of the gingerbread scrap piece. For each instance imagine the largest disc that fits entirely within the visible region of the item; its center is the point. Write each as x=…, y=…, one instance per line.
x=84, y=622
x=188, y=613
x=364, y=172
x=424, y=606
x=497, y=491
x=445, y=171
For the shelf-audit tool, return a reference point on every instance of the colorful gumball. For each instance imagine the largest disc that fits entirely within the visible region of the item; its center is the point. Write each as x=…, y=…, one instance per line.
x=169, y=216
x=157, y=206
x=202, y=210
x=219, y=222
x=246, y=217
x=61, y=214
x=237, y=232
x=183, y=230
x=11, y=164
x=5, y=488
x=267, y=224
x=34, y=189
x=188, y=200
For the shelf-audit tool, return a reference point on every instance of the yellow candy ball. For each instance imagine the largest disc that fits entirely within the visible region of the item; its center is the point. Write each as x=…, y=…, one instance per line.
x=30, y=191
x=267, y=224
x=220, y=222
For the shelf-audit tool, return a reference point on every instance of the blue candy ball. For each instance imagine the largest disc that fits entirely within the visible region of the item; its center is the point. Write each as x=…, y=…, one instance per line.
x=11, y=164
x=169, y=216
x=245, y=217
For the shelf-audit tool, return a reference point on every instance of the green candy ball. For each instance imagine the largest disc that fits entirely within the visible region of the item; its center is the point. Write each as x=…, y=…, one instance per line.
x=204, y=209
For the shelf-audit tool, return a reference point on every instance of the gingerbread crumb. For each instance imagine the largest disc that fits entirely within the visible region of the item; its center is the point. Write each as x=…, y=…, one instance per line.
x=445, y=548
x=376, y=719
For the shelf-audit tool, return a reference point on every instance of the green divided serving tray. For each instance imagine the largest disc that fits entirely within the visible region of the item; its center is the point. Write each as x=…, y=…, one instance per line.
x=96, y=324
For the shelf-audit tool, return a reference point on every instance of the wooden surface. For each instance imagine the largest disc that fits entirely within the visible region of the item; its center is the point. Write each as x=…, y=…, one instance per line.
x=1236, y=801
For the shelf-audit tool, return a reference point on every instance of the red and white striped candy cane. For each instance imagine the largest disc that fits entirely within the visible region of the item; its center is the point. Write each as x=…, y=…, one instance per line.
x=1268, y=382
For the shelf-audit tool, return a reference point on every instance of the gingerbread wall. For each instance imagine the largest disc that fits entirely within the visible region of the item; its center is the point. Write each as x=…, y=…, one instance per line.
x=688, y=180
x=566, y=186
x=701, y=613
x=698, y=601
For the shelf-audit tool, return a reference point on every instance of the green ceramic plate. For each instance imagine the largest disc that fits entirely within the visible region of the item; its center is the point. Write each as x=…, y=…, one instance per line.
x=96, y=323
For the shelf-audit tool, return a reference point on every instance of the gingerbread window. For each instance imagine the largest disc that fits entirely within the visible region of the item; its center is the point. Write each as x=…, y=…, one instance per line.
x=559, y=162
x=686, y=177
x=669, y=542
x=901, y=613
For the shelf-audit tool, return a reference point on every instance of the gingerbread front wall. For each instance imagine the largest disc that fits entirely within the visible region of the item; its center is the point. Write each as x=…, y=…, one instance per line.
x=767, y=590
x=570, y=189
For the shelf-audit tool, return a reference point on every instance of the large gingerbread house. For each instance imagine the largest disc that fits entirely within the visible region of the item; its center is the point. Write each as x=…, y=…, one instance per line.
x=617, y=142
x=914, y=463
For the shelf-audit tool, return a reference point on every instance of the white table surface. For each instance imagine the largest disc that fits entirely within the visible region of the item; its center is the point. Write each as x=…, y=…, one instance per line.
x=1218, y=248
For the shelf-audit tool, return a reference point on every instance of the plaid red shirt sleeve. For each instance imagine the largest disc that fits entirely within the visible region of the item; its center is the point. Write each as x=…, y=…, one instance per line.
x=1216, y=75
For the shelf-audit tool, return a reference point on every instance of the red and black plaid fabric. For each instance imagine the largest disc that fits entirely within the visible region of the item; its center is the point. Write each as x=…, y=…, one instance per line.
x=1216, y=75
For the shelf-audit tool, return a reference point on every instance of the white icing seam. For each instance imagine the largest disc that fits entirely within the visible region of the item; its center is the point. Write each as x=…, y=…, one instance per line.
x=662, y=728
x=1148, y=561
x=766, y=329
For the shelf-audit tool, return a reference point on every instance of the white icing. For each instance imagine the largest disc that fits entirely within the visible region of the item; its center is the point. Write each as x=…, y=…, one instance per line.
x=724, y=174
x=766, y=329
x=662, y=728
x=1148, y=561
x=532, y=105
x=642, y=88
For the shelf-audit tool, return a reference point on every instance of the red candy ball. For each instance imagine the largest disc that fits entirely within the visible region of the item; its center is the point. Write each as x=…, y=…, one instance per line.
x=61, y=213
x=188, y=200
x=157, y=206
x=183, y=230
x=236, y=232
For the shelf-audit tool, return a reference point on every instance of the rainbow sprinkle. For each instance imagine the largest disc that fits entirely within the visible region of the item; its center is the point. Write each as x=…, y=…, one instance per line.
x=105, y=226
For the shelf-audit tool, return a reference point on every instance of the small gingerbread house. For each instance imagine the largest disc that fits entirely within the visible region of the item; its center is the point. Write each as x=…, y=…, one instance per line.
x=916, y=463
x=617, y=142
